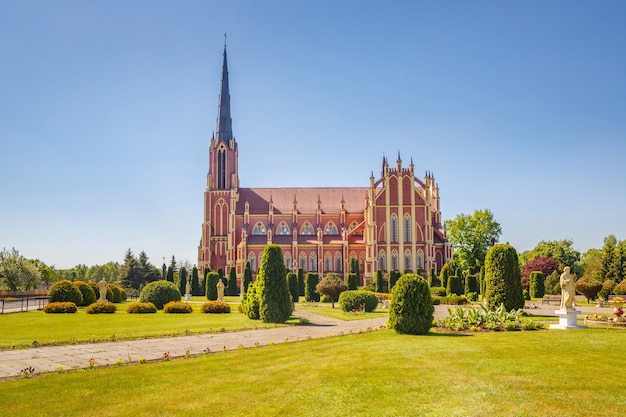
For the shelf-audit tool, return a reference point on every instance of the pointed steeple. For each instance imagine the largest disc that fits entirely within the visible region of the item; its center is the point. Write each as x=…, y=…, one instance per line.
x=224, y=122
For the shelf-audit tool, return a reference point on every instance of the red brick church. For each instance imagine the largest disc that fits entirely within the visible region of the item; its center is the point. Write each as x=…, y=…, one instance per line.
x=394, y=223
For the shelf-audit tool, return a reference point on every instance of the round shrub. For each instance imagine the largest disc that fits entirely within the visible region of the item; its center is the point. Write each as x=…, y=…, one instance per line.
x=411, y=310
x=89, y=296
x=65, y=291
x=215, y=307
x=160, y=293
x=607, y=289
x=139, y=307
x=116, y=294
x=620, y=289
x=177, y=307
x=102, y=307
x=440, y=291
x=353, y=300
x=60, y=307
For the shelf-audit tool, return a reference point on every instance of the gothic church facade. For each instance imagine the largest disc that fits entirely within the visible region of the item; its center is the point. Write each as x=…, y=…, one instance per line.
x=394, y=223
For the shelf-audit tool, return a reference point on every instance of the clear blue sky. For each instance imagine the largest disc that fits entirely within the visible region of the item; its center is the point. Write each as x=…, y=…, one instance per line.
x=107, y=109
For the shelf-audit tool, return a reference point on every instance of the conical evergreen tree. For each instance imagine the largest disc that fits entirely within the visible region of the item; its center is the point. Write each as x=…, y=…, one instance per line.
x=274, y=298
x=182, y=280
x=247, y=277
x=170, y=274
x=232, y=288
x=195, y=282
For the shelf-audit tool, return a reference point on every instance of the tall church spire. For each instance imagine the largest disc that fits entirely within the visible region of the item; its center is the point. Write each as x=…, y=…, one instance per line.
x=224, y=122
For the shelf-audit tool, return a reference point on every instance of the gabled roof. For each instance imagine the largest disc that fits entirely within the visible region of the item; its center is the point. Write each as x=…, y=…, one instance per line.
x=306, y=199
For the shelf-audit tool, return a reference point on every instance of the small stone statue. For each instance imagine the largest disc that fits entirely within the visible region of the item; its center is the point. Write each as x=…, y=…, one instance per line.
x=568, y=291
x=220, y=290
x=103, y=287
x=188, y=291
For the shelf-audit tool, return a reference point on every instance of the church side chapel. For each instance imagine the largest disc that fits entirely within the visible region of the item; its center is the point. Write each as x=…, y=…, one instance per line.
x=393, y=223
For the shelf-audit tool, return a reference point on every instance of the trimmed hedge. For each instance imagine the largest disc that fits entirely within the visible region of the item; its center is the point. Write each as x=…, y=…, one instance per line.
x=353, y=300
x=210, y=282
x=89, y=295
x=139, y=307
x=177, y=307
x=411, y=310
x=60, y=307
x=215, y=307
x=65, y=291
x=454, y=285
x=440, y=291
x=310, y=282
x=160, y=293
x=102, y=307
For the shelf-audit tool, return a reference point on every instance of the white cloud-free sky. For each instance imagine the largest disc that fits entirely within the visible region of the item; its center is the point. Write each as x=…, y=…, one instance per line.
x=107, y=109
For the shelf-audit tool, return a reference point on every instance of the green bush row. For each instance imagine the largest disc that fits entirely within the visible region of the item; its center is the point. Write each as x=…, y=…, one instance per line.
x=215, y=307
x=177, y=307
x=60, y=307
x=357, y=300
x=102, y=307
x=140, y=307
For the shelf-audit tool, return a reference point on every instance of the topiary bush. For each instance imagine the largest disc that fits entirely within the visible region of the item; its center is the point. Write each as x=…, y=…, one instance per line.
x=353, y=300
x=620, y=289
x=116, y=294
x=250, y=303
x=102, y=307
x=411, y=310
x=65, y=291
x=454, y=285
x=177, y=307
x=471, y=284
x=503, y=278
x=60, y=307
x=141, y=308
x=352, y=281
x=536, y=286
x=589, y=287
x=159, y=293
x=440, y=291
x=292, y=283
x=215, y=307
x=607, y=289
x=211, y=280
x=89, y=296
x=274, y=299
x=310, y=282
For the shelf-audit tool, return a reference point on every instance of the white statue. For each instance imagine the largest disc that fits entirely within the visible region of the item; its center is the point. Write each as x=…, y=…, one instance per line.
x=220, y=290
x=103, y=287
x=568, y=291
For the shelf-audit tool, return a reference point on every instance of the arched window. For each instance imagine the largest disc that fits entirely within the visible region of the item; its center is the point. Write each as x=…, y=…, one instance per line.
x=259, y=229
x=282, y=229
x=420, y=259
x=306, y=229
x=407, y=228
x=252, y=259
x=221, y=168
x=337, y=262
x=287, y=257
x=407, y=259
x=312, y=262
x=394, y=260
x=327, y=263
x=382, y=261
x=353, y=225
x=330, y=229
x=394, y=228
x=303, y=262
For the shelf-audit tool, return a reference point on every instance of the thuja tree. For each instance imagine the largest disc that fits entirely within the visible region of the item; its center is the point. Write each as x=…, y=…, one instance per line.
x=471, y=284
x=454, y=285
x=433, y=281
x=182, y=280
x=247, y=277
x=292, y=283
x=380, y=282
x=393, y=278
x=411, y=310
x=503, y=278
x=353, y=282
x=210, y=282
x=310, y=282
x=195, y=282
x=300, y=282
x=445, y=272
x=220, y=272
x=536, y=287
x=250, y=302
x=274, y=298
x=233, y=289
x=170, y=274
x=354, y=268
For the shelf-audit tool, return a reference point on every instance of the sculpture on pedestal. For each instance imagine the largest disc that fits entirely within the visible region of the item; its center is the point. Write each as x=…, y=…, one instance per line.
x=568, y=291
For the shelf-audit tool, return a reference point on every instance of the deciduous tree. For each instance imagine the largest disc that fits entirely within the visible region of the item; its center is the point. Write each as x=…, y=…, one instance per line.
x=332, y=286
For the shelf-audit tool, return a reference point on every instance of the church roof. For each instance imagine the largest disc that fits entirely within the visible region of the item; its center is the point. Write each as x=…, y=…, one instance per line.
x=306, y=199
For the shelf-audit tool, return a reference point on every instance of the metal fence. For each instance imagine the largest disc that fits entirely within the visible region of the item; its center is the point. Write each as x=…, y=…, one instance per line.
x=16, y=305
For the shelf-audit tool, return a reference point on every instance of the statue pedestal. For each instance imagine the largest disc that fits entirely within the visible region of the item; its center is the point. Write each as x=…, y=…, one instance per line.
x=187, y=297
x=567, y=320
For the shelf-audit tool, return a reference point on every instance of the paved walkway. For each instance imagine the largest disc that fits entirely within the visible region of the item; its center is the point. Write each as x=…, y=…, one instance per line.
x=52, y=358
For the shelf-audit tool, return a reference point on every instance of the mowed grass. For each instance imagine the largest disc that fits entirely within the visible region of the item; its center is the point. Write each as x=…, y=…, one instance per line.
x=539, y=373
x=20, y=330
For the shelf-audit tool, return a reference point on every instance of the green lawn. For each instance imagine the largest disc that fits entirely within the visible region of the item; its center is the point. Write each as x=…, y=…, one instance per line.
x=539, y=373
x=20, y=330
